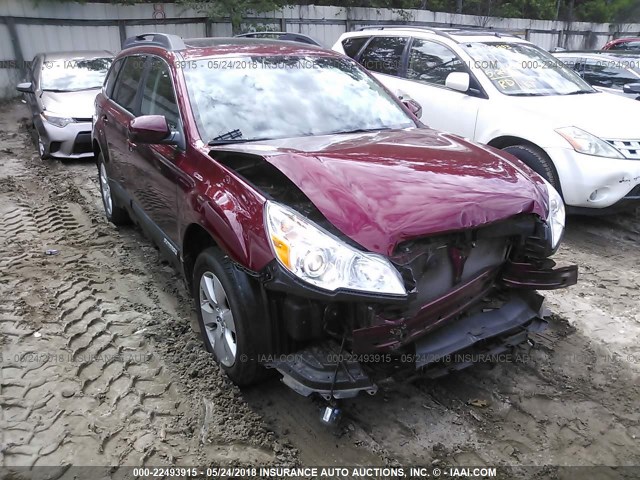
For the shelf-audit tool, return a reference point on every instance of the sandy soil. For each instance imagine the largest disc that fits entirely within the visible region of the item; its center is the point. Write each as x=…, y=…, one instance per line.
x=100, y=364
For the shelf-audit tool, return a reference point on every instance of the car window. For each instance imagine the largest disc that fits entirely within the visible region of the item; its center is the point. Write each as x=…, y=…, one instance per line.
x=158, y=97
x=73, y=74
x=126, y=87
x=225, y=101
x=430, y=62
x=384, y=54
x=353, y=45
x=574, y=63
x=36, y=65
x=111, y=77
x=606, y=74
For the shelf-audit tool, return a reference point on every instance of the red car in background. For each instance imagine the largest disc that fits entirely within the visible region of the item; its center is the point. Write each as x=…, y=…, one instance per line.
x=322, y=230
x=624, y=45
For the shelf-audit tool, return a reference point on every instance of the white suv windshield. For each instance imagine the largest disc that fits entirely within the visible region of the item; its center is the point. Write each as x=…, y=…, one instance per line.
x=258, y=98
x=522, y=69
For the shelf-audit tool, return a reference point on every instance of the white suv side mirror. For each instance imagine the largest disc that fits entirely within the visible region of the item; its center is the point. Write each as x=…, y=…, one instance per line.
x=458, y=81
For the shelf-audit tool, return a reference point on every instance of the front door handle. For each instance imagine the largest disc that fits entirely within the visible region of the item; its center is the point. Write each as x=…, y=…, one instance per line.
x=132, y=146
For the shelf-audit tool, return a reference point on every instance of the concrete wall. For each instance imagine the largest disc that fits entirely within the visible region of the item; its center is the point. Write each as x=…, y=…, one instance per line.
x=26, y=28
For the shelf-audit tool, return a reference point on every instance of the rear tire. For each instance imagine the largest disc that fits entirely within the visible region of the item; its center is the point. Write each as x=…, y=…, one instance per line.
x=538, y=161
x=114, y=213
x=231, y=315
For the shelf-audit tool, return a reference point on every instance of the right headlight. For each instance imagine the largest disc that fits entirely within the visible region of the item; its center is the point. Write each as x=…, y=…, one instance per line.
x=57, y=121
x=321, y=259
x=584, y=142
x=556, y=215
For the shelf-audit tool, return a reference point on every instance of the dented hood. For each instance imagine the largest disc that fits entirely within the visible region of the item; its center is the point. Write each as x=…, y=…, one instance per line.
x=382, y=188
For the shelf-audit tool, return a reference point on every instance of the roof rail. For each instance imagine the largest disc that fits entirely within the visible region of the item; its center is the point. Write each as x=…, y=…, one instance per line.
x=443, y=30
x=165, y=40
x=408, y=27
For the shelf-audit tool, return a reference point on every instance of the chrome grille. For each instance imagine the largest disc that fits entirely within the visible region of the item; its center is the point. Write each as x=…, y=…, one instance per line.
x=629, y=148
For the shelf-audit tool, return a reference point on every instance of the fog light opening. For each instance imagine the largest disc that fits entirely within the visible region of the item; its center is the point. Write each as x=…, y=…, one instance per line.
x=599, y=194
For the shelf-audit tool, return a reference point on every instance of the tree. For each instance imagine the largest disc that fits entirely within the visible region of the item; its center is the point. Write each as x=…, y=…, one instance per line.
x=235, y=10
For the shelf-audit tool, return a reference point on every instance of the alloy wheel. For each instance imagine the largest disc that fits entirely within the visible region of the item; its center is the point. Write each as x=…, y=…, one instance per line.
x=218, y=319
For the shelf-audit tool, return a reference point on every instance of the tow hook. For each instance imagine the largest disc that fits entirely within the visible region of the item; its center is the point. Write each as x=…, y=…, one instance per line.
x=331, y=414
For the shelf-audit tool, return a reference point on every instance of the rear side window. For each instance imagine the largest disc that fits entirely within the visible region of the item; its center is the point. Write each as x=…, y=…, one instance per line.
x=384, y=55
x=353, y=45
x=126, y=87
x=430, y=62
x=158, y=97
x=111, y=78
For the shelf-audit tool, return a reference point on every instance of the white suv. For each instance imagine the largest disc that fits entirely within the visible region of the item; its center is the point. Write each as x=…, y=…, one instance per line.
x=503, y=91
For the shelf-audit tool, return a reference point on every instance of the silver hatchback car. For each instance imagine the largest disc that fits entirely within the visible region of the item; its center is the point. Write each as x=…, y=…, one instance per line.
x=61, y=90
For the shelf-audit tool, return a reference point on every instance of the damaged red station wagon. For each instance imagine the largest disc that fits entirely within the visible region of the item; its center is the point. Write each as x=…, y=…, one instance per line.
x=322, y=229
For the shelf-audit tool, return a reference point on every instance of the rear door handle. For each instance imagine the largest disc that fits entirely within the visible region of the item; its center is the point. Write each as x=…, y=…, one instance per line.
x=132, y=146
x=105, y=119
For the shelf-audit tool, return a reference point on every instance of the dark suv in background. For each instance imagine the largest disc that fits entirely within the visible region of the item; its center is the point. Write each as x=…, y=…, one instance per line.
x=321, y=228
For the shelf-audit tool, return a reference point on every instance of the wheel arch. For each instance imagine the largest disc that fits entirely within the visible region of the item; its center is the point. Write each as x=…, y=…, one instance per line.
x=195, y=239
x=511, y=140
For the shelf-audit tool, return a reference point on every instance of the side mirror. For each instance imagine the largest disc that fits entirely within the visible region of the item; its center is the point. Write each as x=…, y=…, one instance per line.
x=632, y=88
x=151, y=129
x=25, y=87
x=458, y=81
x=413, y=106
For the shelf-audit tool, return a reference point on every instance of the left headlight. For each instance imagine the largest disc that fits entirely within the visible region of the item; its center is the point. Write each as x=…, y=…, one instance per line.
x=556, y=216
x=57, y=121
x=584, y=142
x=319, y=258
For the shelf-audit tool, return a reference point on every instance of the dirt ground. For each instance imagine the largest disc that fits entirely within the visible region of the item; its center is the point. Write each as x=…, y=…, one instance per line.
x=100, y=364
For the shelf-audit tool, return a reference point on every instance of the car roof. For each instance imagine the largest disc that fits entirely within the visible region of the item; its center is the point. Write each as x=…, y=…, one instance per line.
x=77, y=54
x=592, y=55
x=193, y=48
x=289, y=36
x=457, y=35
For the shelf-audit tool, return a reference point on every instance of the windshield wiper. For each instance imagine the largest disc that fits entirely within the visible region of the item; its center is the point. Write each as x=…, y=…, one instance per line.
x=55, y=90
x=83, y=89
x=579, y=92
x=228, y=141
x=362, y=130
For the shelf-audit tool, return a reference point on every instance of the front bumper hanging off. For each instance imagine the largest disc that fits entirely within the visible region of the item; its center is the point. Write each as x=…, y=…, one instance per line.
x=453, y=345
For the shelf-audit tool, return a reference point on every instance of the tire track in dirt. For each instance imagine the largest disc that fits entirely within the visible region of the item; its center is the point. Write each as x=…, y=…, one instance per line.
x=80, y=378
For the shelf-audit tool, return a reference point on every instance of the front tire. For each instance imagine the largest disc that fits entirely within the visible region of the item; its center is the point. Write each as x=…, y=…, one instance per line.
x=538, y=161
x=231, y=316
x=43, y=150
x=114, y=213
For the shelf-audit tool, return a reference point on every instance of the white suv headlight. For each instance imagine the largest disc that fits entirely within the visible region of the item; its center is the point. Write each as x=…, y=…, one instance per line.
x=556, y=216
x=584, y=142
x=321, y=259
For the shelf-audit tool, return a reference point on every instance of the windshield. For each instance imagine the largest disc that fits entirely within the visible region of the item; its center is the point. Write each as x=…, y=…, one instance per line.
x=258, y=98
x=72, y=74
x=522, y=69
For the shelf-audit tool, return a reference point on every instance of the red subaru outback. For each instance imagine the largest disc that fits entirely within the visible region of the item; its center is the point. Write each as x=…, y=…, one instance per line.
x=321, y=228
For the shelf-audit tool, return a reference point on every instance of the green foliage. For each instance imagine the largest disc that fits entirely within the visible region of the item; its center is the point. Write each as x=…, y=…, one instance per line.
x=616, y=11
x=236, y=10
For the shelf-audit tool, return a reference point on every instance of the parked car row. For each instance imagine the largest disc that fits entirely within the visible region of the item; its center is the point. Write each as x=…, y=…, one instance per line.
x=503, y=91
x=323, y=230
